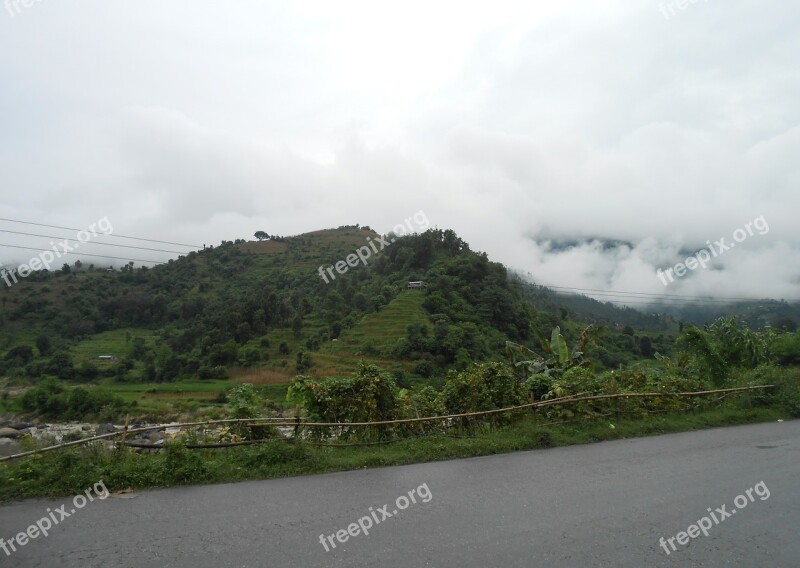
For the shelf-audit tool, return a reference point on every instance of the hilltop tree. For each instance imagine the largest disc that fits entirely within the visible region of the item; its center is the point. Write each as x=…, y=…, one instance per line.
x=261, y=235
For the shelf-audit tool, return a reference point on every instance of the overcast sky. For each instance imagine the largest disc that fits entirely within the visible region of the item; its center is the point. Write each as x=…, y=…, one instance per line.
x=518, y=125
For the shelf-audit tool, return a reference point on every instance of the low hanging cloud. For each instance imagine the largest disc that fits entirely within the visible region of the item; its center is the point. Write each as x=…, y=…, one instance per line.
x=588, y=145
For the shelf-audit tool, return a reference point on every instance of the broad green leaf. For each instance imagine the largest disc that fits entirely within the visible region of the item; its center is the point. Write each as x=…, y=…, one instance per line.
x=559, y=345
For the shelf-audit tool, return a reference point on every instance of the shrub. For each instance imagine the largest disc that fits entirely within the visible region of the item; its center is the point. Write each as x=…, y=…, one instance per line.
x=786, y=393
x=786, y=348
x=366, y=396
x=418, y=403
x=424, y=369
x=19, y=356
x=182, y=465
x=483, y=386
x=538, y=385
x=50, y=399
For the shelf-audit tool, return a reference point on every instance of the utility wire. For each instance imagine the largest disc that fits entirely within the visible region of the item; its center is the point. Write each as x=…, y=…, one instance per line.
x=668, y=301
x=92, y=242
x=657, y=303
x=84, y=254
x=108, y=235
x=634, y=294
x=663, y=299
x=658, y=298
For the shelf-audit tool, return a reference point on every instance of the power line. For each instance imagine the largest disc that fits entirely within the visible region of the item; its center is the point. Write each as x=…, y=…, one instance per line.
x=106, y=234
x=677, y=300
x=657, y=303
x=634, y=294
x=84, y=254
x=666, y=301
x=92, y=242
x=655, y=299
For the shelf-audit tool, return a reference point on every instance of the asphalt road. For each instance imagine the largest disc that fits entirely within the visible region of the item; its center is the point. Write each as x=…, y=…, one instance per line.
x=605, y=504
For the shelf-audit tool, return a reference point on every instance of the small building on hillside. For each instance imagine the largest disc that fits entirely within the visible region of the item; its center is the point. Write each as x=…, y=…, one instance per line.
x=417, y=284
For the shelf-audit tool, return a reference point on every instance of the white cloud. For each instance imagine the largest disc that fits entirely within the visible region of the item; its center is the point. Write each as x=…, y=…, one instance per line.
x=513, y=124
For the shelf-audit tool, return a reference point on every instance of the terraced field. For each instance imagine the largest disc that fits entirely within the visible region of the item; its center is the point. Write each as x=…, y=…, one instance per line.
x=374, y=337
x=116, y=343
x=372, y=341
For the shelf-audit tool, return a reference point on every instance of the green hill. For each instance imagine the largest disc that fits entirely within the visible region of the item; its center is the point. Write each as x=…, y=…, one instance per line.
x=265, y=311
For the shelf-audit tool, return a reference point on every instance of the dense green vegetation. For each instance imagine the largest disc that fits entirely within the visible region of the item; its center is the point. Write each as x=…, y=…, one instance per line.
x=259, y=312
x=248, y=303
x=724, y=355
x=51, y=399
x=250, y=330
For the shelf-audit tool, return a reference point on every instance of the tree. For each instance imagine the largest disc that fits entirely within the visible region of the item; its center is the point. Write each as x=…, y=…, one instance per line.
x=20, y=355
x=304, y=362
x=43, y=344
x=297, y=325
x=645, y=346
x=261, y=235
x=138, y=348
x=61, y=366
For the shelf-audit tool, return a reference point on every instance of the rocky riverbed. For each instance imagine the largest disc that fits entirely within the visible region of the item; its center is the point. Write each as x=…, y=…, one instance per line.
x=13, y=431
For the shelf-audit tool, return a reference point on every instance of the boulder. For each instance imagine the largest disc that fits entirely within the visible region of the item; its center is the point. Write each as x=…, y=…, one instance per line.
x=8, y=447
x=106, y=429
x=9, y=433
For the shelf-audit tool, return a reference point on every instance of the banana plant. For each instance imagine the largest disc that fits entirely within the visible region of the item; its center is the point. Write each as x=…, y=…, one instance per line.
x=557, y=358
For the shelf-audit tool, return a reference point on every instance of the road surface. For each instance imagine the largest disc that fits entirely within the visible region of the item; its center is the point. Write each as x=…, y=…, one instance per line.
x=605, y=504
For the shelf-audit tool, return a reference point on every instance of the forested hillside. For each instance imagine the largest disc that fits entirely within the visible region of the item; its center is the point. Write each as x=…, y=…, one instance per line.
x=264, y=303
x=261, y=312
